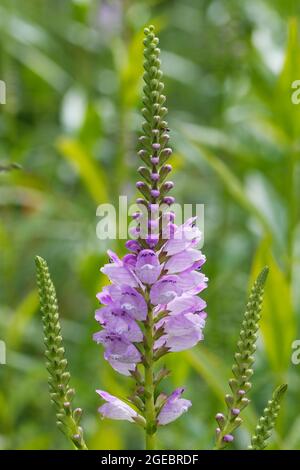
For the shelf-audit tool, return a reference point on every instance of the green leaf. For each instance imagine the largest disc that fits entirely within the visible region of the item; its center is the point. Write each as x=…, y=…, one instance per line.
x=20, y=319
x=90, y=172
x=278, y=319
x=232, y=184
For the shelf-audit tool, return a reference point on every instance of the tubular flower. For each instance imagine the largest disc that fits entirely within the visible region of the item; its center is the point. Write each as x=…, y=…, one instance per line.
x=151, y=307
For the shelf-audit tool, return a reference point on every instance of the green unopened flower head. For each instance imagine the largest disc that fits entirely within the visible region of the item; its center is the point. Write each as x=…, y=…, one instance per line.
x=242, y=370
x=57, y=365
x=267, y=421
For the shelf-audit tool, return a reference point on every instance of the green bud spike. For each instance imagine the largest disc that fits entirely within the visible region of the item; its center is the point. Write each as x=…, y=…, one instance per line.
x=60, y=392
x=267, y=421
x=244, y=359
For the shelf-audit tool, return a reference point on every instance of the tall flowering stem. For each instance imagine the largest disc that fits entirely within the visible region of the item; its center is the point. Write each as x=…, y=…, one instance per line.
x=242, y=369
x=267, y=421
x=61, y=394
x=151, y=307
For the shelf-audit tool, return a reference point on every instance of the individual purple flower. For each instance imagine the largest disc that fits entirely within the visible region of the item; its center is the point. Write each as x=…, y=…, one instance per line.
x=115, y=408
x=127, y=298
x=147, y=266
x=182, y=331
x=185, y=236
x=122, y=355
x=174, y=407
x=165, y=290
x=184, y=260
x=119, y=272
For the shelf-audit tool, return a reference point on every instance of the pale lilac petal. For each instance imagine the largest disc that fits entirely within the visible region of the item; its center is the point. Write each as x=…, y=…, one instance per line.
x=124, y=368
x=186, y=303
x=114, y=258
x=182, y=331
x=173, y=408
x=119, y=275
x=165, y=290
x=128, y=299
x=184, y=236
x=129, y=261
x=104, y=296
x=184, y=260
x=119, y=352
x=147, y=266
x=192, y=282
x=116, y=408
x=116, y=320
x=133, y=303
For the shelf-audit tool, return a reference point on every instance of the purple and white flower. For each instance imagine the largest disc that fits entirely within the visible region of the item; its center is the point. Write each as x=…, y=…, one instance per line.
x=174, y=407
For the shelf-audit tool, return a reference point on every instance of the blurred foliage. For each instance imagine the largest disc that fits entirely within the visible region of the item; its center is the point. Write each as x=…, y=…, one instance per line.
x=71, y=119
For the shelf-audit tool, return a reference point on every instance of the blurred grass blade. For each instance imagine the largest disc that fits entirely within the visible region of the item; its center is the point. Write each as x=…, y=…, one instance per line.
x=278, y=320
x=20, y=319
x=89, y=171
x=232, y=184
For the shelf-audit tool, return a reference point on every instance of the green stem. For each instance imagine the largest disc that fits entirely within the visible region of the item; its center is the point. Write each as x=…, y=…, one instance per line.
x=150, y=414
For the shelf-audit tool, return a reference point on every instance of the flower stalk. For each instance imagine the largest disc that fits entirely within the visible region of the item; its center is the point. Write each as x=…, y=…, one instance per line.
x=267, y=421
x=242, y=370
x=68, y=418
x=150, y=413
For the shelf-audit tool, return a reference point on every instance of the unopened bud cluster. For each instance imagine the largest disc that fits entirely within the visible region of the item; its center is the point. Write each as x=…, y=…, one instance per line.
x=242, y=370
x=57, y=365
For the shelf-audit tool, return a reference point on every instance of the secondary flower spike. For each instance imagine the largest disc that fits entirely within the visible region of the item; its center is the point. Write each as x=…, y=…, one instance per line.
x=151, y=306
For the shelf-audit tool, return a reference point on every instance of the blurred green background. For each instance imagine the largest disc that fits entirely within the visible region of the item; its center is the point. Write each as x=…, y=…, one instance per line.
x=71, y=119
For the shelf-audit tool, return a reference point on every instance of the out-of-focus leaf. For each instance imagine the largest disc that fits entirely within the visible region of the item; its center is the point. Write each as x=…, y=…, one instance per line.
x=233, y=185
x=110, y=439
x=212, y=369
x=285, y=110
x=278, y=317
x=90, y=172
x=20, y=319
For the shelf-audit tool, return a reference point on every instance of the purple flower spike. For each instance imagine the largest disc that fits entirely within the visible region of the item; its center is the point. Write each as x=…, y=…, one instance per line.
x=174, y=407
x=151, y=306
x=235, y=411
x=228, y=438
